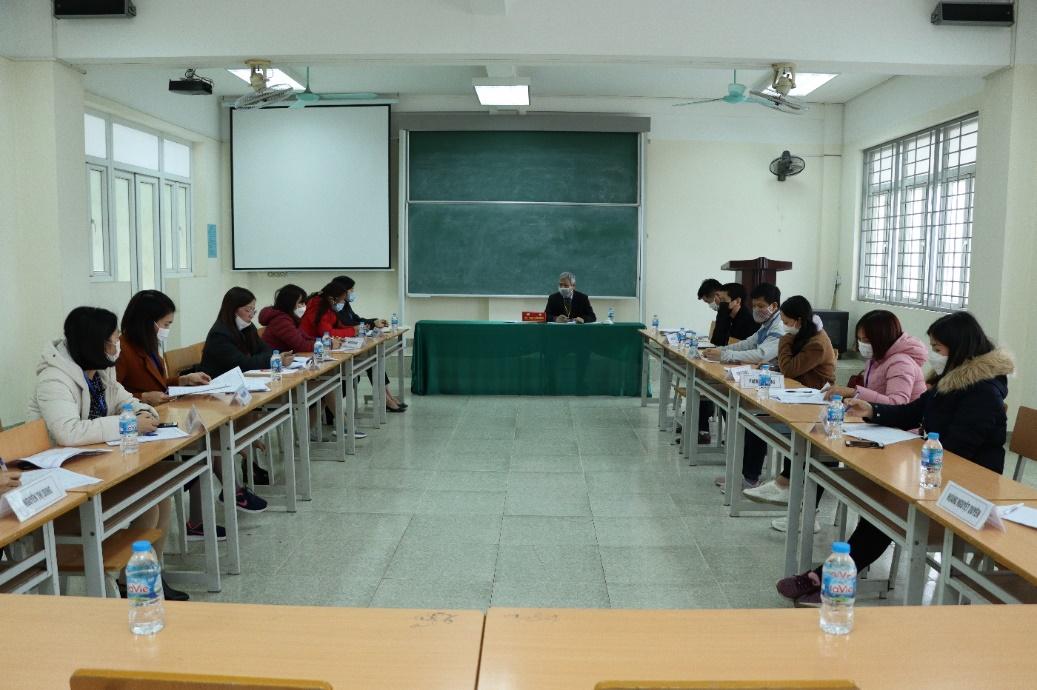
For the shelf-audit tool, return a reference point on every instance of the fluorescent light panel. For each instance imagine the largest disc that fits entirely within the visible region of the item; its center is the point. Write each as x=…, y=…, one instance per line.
x=275, y=77
x=806, y=83
x=502, y=94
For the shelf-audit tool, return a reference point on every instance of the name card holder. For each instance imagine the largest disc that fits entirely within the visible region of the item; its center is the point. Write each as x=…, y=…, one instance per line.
x=751, y=379
x=972, y=509
x=32, y=499
x=242, y=396
x=734, y=372
x=194, y=421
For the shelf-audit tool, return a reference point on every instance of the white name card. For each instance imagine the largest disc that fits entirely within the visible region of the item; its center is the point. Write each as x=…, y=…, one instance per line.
x=242, y=396
x=973, y=510
x=751, y=379
x=32, y=499
x=734, y=372
x=194, y=421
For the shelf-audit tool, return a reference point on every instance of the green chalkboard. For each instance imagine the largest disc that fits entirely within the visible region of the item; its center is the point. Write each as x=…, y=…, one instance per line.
x=573, y=207
x=573, y=167
x=519, y=249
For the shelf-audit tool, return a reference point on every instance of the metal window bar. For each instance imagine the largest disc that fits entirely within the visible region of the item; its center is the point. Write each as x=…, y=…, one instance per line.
x=916, y=218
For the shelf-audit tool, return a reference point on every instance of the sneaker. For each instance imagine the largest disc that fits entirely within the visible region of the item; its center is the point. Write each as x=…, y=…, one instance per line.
x=746, y=484
x=359, y=434
x=782, y=524
x=768, y=493
x=247, y=501
x=798, y=585
x=704, y=438
x=197, y=532
x=809, y=601
x=720, y=481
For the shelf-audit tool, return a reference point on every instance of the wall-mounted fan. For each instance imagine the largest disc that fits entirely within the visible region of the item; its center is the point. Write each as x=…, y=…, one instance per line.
x=787, y=165
x=308, y=97
x=775, y=97
x=262, y=94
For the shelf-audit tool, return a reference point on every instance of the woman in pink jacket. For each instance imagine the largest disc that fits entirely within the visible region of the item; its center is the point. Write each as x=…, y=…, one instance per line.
x=893, y=373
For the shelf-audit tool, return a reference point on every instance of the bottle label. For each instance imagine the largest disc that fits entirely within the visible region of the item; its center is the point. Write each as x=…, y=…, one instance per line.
x=835, y=414
x=839, y=583
x=127, y=425
x=932, y=458
x=143, y=589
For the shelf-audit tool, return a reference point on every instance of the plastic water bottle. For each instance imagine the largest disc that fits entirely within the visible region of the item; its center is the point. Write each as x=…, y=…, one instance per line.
x=682, y=337
x=144, y=590
x=838, y=590
x=276, y=367
x=394, y=322
x=932, y=461
x=326, y=350
x=763, y=388
x=128, y=441
x=655, y=324
x=714, y=429
x=612, y=315
x=318, y=352
x=361, y=329
x=834, y=417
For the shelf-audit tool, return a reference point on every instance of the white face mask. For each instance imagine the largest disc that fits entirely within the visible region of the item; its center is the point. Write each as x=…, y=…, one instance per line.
x=115, y=357
x=792, y=330
x=352, y=296
x=761, y=315
x=300, y=310
x=241, y=323
x=162, y=334
x=938, y=362
x=866, y=350
x=567, y=293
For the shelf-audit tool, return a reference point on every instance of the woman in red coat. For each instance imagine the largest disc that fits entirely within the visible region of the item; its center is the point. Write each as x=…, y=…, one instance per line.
x=282, y=321
x=322, y=310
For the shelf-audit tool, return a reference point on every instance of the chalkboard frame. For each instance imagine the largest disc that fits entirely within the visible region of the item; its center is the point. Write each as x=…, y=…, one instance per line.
x=405, y=204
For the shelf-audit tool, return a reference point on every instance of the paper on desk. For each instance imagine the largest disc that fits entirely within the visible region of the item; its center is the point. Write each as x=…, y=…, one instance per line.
x=180, y=391
x=1019, y=514
x=883, y=435
x=227, y=382
x=67, y=479
x=258, y=384
x=799, y=396
x=54, y=457
x=160, y=434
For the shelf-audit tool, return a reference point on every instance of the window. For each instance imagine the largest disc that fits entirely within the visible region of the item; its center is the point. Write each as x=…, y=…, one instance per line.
x=139, y=186
x=916, y=218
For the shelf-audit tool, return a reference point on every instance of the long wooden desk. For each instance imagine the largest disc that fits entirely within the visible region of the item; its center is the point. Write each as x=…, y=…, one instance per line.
x=566, y=649
x=1014, y=551
x=37, y=566
x=373, y=649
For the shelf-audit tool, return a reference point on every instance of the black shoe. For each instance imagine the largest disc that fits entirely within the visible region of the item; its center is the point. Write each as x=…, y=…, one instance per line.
x=172, y=594
x=259, y=475
x=395, y=409
x=402, y=405
x=247, y=501
x=329, y=417
x=197, y=532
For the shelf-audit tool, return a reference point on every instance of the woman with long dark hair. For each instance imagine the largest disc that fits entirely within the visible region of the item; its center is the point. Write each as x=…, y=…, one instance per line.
x=233, y=341
x=322, y=310
x=965, y=404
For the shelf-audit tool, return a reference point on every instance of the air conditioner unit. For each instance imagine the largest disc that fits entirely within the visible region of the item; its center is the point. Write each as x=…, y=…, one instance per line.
x=103, y=9
x=974, y=14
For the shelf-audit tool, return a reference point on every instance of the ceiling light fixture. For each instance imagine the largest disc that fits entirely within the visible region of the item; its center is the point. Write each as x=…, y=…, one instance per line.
x=275, y=77
x=502, y=92
x=806, y=83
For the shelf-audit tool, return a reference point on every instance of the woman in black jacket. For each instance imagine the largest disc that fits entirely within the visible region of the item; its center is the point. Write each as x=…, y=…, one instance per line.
x=965, y=404
x=234, y=341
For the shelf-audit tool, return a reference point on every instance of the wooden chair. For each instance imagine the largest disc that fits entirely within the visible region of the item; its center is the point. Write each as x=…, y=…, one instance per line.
x=1024, y=440
x=115, y=551
x=110, y=679
x=25, y=440
x=184, y=358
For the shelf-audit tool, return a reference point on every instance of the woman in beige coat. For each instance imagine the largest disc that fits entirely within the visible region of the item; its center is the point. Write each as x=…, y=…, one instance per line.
x=79, y=399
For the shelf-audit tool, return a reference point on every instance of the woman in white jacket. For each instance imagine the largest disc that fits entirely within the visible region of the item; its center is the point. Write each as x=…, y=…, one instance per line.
x=79, y=399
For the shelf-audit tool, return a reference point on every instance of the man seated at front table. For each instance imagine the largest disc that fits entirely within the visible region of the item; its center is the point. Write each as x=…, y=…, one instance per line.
x=762, y=346
x=569, y=305
x=734, y=317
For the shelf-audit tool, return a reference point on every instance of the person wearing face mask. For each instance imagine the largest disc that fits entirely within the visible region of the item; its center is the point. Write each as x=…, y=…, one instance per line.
x=762, y=346
x=568, y=304
x=281, y=322
x=965, y=404
x=80, y=399
x=322, y=310
x=893, y=362
x=348, y=317
x=734, y=320
x=233, y=340
x=141, y=369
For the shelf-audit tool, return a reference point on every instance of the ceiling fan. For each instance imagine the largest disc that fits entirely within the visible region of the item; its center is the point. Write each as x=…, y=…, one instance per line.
x=308, y=97
x=776, y=96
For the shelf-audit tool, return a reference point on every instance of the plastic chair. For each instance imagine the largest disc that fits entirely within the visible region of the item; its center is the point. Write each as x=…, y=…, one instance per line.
x=1024, y=440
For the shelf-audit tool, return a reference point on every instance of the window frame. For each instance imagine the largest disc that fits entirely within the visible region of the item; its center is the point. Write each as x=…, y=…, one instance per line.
x=109, y=269
x=934, y=183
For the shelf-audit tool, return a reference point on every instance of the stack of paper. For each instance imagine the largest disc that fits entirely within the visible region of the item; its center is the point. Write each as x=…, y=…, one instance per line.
x=799, y=396
x=883, y=435
x=161, y=434
x=54, y=457
x=179, y=391
x=66, y=479
x=1019, y=514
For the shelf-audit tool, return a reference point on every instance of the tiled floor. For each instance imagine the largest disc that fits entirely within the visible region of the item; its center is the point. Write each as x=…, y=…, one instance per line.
x=471, y=502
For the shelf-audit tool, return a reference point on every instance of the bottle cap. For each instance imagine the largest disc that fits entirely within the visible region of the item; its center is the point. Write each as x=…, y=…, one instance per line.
x=933, y=436
x=836, y=398
x=840, y=547
x=141, y=546
x=277, y=352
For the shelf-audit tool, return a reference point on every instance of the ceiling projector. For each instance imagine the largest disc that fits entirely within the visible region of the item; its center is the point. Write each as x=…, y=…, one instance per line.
x=191, y=85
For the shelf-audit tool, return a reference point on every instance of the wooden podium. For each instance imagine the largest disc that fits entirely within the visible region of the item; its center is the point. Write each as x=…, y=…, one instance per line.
x=752, y=272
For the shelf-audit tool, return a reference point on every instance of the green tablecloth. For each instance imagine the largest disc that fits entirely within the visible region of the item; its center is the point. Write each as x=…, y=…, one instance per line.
x=497, y=358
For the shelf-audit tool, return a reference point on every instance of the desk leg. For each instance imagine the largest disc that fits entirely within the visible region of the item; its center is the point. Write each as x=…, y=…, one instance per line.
x=212, y=549
x=693, y=405
x=301, y=424
x=380, y=415
x=401, y=362
x=806, y=535
x=50, y=555
x=664, y=394
x=646, y=359
x=798, y=511
x=288, y=452
x=945, y=567
x=735, y=439
x=350, y=404
x=90, y=530
x=230, y=509
x=340, y=433
x=917, y=543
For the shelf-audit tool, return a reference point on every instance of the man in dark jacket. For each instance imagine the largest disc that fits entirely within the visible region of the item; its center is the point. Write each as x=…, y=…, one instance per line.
x=734, y=319
x=569, y=305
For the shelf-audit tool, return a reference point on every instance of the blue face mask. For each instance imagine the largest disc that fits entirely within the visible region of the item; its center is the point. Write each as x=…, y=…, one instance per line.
x=352, y=297
x=338, y=306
